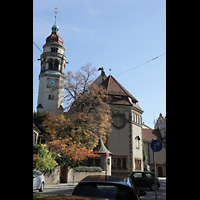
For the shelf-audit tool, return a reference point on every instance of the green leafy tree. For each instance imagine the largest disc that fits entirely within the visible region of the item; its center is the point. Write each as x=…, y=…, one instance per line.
x=43, y=159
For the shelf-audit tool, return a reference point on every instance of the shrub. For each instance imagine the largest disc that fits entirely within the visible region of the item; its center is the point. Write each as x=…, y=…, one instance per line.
x=88, y=169
x=43, y=159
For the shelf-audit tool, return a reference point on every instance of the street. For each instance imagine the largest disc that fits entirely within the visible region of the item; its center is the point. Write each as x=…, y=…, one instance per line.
x=60, y=189
x=66, y=189
x=161, y=194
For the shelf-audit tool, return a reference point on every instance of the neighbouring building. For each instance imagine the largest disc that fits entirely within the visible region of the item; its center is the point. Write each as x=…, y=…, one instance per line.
x=160, y=157
x=161, y=125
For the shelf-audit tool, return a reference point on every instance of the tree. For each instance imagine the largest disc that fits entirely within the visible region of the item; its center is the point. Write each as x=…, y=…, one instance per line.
x=78, y=83
x=43, y=159
x=70, y=153
x=73, y=134
x=88, y=110
x=87, y=117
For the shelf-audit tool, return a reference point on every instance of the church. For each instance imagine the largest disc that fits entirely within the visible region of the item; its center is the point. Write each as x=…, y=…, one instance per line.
x=125, y=140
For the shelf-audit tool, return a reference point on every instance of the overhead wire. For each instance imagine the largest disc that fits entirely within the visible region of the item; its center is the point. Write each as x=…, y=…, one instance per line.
x=124, y=71
x=140, y=64
x=37, y=46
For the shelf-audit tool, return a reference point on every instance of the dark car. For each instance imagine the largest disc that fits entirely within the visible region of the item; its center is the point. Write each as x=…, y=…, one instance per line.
x=108, y=187
x=144, y=180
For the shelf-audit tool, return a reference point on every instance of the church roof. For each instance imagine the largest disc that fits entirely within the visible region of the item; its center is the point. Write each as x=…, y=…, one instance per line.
x=54, y=37
x=149, y=134
x=118, y=94
x=100, y=148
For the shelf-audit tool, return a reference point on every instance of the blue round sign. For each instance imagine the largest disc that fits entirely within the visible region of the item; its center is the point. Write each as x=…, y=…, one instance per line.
x=156, y=145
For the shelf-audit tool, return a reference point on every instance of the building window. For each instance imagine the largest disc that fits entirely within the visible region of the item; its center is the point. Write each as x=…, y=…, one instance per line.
x=50, y=61
x=119, y=162
x=137, y=164
x=56, y=62
x=51, y=97
x=119, y=120
x=53, y=49
x=137, y=140
x=123, y=163
x=53, y=64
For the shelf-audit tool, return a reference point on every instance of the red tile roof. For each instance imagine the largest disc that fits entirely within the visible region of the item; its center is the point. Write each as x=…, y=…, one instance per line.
x=149, y=134
x=54, y=38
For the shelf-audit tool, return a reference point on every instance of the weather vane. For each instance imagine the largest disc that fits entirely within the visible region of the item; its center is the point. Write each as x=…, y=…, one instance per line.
x=55, y=14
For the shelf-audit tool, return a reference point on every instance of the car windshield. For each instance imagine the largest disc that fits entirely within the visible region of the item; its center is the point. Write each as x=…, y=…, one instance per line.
x=149, y=175
x=105, y=190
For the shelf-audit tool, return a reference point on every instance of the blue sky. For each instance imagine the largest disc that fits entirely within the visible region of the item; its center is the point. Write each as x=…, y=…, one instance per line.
x=116, y=34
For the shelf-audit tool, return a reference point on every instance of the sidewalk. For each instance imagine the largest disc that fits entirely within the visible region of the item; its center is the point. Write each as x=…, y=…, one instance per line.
x=60, y=185
x=162, y=178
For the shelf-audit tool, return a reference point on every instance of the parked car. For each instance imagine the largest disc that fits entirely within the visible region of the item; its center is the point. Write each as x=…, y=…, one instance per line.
x=144, y=180
x=38, y=180
x=108, y=187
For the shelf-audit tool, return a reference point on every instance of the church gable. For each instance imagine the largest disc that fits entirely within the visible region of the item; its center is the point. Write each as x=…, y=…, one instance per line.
x=118, y=94
x=115, y=88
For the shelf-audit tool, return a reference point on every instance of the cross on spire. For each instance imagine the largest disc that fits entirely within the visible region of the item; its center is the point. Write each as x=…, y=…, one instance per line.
x=55, y=14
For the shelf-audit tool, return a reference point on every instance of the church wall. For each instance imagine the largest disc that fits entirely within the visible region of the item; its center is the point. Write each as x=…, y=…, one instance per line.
x=44, y=92
x=122, y=142
x=137, y=144
x=47, y=48
x=118, y=141
x=118, y=138
x=61, y=91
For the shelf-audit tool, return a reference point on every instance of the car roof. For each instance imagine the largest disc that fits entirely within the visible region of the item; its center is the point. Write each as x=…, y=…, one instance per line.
x=37, y=172
x=107, y=179
x=146, y=172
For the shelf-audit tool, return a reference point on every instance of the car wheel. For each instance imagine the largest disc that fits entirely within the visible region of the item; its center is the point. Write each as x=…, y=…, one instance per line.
x=42, y=187
x=152, y=187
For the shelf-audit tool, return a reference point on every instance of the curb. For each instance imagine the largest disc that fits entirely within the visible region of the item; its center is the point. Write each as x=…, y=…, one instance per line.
x=61, y=185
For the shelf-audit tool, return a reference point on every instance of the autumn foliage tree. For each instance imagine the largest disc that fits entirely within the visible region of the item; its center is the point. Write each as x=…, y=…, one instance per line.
x=70, y=152
x=87, y=106
x=75, y=132
x=87, y=118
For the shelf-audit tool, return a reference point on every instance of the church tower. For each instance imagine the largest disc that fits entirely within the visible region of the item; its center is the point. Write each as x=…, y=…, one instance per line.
x=52, y=78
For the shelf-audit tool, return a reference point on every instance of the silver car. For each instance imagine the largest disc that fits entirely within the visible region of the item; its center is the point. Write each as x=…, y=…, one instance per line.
x=38, y=180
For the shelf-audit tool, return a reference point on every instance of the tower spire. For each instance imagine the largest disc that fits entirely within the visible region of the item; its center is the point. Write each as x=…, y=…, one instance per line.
x=55, y=14
x=55, y=27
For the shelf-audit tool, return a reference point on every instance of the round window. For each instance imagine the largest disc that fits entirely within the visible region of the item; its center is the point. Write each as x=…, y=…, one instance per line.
x=119, y=121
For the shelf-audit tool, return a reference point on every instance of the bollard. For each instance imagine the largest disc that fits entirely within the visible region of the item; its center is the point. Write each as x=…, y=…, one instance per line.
x=73, y=181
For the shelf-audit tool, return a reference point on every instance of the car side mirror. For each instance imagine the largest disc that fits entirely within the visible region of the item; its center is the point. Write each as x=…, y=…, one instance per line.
x=142, y=193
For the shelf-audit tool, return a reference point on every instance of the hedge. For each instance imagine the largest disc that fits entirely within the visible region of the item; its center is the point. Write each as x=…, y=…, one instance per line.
x=88, y=169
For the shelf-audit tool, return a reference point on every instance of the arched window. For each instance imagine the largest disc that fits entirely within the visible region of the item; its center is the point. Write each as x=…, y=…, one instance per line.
x=50, y=61
x=56, y=63
x=137, y=140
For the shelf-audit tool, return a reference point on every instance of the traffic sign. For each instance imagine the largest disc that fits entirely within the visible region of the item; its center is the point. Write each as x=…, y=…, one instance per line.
x=156, y=145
